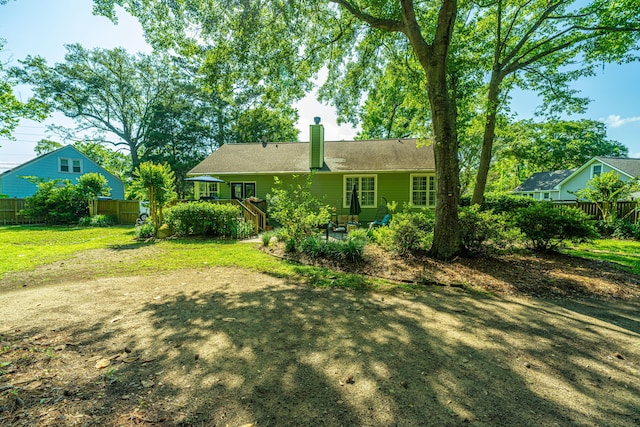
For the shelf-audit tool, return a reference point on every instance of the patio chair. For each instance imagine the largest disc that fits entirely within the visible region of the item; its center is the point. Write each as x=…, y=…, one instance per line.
x=384, y=221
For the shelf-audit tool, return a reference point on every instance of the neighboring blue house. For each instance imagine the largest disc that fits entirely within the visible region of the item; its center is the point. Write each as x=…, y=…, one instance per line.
x=543, y=185
x=64, y=163
x=562, y=185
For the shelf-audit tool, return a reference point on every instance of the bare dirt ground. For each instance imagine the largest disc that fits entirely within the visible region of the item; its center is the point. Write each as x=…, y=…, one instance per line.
x=516, y=341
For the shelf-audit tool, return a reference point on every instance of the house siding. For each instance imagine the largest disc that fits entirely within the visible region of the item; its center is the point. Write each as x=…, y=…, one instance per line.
x=47, y=167
x=579, y=181
x=328, y=188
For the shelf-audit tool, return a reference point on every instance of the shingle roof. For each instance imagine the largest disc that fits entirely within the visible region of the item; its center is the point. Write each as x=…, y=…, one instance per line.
x=628, y=166
x=339, y=156
x=544, y=180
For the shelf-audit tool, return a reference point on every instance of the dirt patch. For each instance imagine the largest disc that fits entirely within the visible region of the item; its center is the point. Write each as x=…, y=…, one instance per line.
x=550, y=275
x=223, y=346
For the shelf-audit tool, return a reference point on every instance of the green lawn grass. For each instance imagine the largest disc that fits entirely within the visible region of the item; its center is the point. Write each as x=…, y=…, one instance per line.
x=625, y=253
x=25, y=248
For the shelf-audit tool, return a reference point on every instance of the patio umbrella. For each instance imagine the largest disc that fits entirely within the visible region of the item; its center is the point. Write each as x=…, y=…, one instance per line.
x=354, y=204
x=203, y=178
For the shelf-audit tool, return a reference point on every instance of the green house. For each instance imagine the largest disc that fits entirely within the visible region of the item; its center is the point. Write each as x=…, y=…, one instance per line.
x=393, y=170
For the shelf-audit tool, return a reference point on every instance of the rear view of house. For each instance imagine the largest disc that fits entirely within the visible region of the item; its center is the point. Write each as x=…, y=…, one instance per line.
x=397, y=170
x=64, y=163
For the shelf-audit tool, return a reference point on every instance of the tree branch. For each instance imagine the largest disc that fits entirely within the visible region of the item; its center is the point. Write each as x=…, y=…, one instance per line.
x=390, y=25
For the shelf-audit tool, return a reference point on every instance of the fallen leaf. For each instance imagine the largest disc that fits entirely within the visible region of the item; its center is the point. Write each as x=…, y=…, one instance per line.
x=116, y=319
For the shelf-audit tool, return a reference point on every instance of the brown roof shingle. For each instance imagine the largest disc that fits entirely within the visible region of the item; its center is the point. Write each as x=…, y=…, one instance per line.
x=339, y=156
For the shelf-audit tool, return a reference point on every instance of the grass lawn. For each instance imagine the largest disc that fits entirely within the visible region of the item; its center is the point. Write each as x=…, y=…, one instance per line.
x=622, y=252
x=26, y=248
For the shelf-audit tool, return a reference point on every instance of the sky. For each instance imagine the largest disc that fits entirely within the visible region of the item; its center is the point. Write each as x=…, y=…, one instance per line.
x=43, y=27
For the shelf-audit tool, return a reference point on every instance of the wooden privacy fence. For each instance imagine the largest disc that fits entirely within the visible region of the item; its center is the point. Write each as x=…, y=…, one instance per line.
x=10, y=213
x=124, y=211
x=624, y=210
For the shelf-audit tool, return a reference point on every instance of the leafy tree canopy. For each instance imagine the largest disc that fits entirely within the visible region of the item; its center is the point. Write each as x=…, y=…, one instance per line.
x=557, y=144
x=11, y=108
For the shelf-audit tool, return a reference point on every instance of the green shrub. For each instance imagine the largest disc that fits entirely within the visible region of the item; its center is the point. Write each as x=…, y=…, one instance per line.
x=500, y=202
x=242, y=229
x=412, y=231
x=351, y=249
x=484, y=232
x=266, y=237
x=97, y=221
x=62, y=202
x=290, y=245
x=382, y=236
x=547, y=227
x=622, y=229
x=145, y=231
x=207, y=219
x=297, y=211
x=57, y=202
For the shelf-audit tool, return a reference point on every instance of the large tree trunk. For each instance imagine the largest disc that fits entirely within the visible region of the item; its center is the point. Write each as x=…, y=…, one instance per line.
x=433, y=58
x=446, y=236
x=487, y=139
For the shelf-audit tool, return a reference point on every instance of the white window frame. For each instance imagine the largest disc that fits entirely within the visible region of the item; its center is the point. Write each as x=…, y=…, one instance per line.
x=205, y=189
x=593, y=171
x=427, y=191
x=70, y=165
x=346, y=192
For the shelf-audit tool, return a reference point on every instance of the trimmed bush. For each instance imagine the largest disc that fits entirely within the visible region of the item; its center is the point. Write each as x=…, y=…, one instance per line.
x=207, y=219
x=548, y=227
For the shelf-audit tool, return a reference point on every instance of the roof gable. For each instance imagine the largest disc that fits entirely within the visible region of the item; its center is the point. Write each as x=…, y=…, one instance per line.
x=68, y=150
x=610, y=161
x=339, y=156
x=630, y=167
x=544, y=181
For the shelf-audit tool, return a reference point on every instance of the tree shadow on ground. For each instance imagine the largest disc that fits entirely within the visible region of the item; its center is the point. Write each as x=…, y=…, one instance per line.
x=287, y=354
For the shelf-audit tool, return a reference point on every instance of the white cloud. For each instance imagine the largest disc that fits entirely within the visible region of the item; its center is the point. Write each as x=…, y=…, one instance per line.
x=616, y=121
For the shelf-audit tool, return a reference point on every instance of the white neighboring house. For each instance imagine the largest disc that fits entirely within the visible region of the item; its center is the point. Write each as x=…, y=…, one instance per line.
x=561, y=185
